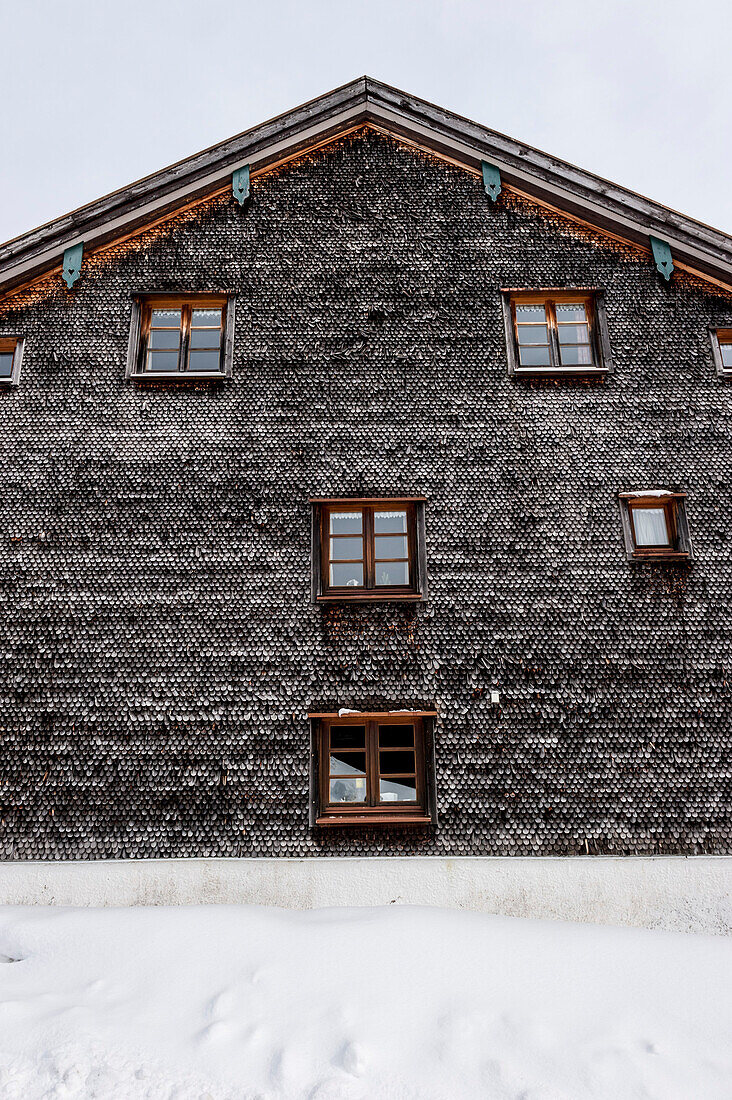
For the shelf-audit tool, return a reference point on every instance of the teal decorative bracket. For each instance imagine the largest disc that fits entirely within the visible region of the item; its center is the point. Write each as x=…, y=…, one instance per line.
x=662, y=255
x=491, y=180
x=240, y=184
x=72, y=263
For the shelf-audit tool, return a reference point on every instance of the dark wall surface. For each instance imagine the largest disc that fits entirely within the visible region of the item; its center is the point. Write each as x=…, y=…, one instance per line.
x=159, y=647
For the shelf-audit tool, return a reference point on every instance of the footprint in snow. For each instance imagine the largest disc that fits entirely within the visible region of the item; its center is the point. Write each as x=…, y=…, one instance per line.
x=353, y=1059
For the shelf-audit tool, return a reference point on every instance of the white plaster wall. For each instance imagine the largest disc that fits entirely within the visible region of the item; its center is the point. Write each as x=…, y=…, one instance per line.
x=670, y=892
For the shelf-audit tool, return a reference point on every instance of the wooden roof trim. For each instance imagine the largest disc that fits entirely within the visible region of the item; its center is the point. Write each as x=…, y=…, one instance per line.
x=557, y=184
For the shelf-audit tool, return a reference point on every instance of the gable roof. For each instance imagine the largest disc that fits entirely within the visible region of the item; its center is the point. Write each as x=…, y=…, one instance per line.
x=555, y=183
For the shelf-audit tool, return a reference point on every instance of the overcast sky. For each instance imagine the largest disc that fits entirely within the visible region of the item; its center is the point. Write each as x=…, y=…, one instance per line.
x=97, y=93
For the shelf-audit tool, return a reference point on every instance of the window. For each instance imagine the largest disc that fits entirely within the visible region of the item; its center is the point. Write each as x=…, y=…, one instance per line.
x=11, y=354
x=372, y=769
x=722, y=350
x=368, y=549
x=553, y=332
x=181, y=338
x=654, y=525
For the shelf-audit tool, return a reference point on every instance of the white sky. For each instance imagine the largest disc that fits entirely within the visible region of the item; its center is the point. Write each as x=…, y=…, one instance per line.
x=96, y=93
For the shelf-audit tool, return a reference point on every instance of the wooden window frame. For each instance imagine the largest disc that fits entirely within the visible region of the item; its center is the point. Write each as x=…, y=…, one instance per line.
x=142, y=306
x=721, y=334
x=674, y=506
x=15, y=343
x=594, y=303
x=323, y=592
x=326, y=814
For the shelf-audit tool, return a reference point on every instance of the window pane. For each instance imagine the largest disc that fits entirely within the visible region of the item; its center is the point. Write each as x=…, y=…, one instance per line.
x=390, y=546
x=726, y=350
x=6, y=364
x=567, y=311
x=574, y=334
x=165, y=318
x=387, y=523
x=532, y=334
x=206, y=318
x=650, y=526
x=205, y=337
x=576, y=354
x=204, y=360
x=394, y=763
x=398, y=790
x=347, y=737
x=343, y=549
x=164, y=338
x=392, y=572
x=346, y=576
x=531, y=313
x=348, y=790
x=162, y=360
x=399, y=736
x=345, y=523
x=534, y=357
x=348, y=763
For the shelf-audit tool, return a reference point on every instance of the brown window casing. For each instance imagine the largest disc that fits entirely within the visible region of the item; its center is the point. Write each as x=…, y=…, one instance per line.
x=722, y=351
x=597, y=343
x=362, y=549
x=362, y=762
x=182, y=352
x=669, y=521
x=11, y=357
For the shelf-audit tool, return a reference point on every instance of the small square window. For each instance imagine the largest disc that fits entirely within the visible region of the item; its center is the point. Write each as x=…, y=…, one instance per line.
x=553, y=332
x=654, y=525
x=11, y=354
x=372, y=769
x=722, y=351
x=181, y=338
x=368, y=549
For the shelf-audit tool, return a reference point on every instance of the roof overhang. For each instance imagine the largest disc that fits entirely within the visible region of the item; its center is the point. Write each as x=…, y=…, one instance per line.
x=554, y=183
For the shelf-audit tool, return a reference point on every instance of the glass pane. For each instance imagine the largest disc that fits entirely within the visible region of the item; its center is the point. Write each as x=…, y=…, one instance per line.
x=348, y=763
x=533, y=334
x=204, y=360
x=392, y=572
x=387, y=523
x=534, y=357
x=567, y=311
x=6, y=364
x=390, y=546
x=399, y=736
x=205, y=338
x=343, y=549
x=162, y=360
x=164, y=337
x=726, y=350
x=348, y=790
x=396, y=762
x=347, y=737
x=574, y=334
x=573, y=354
x=345, y=523
x=206, y=317
x=530, y=313
x=346, y=576
x=650, y=526
x=398, y=790
x=165, y=318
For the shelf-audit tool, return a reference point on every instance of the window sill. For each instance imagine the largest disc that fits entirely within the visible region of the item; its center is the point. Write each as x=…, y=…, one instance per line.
x=560, y=372
x=375, y=819
x=381, y=597
x=660, y=556
x=180, y=376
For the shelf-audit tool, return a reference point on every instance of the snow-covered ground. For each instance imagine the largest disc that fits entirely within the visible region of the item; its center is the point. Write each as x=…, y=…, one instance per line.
x=338, y=1004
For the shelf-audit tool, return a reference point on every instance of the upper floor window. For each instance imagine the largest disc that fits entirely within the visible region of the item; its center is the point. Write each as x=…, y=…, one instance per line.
x=180, y=338
x=553, y=332
x=654, y=525
x=368, y=549
x=11, y=353
x=722, y=350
